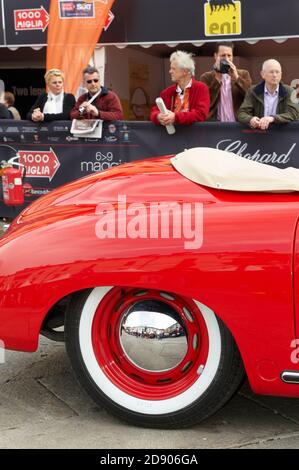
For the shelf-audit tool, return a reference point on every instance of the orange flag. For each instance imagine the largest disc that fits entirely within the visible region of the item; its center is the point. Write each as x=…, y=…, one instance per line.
x=74, y=30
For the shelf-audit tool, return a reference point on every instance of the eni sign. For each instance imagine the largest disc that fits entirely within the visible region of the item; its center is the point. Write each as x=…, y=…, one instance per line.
x=223, y=18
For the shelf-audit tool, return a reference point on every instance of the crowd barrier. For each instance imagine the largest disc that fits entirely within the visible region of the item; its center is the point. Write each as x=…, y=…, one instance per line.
x=53, y=156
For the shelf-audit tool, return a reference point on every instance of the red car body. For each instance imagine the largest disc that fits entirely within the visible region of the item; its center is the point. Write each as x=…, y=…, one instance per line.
x=246, y=271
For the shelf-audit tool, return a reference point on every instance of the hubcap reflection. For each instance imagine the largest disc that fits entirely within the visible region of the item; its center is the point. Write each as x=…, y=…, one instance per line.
x=153, y=336
x=151, y=344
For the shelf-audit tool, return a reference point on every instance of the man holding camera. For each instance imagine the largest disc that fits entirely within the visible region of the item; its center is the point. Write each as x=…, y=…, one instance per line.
x=98, y=102
x=227, y=84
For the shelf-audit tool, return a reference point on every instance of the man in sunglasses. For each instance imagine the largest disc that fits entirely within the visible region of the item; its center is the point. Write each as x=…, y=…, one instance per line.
x=98, y=102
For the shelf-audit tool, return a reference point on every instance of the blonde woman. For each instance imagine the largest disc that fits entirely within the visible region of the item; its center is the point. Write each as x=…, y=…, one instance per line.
x=54, y=105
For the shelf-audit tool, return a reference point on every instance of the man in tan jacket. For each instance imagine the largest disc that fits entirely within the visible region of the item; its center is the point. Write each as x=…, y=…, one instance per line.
x=227, y=84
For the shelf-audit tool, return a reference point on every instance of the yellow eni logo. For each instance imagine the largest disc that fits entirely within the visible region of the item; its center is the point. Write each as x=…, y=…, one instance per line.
x=223, y=18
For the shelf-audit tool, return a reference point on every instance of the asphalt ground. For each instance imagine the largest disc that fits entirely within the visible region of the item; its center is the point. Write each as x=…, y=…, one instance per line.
x=42, y=406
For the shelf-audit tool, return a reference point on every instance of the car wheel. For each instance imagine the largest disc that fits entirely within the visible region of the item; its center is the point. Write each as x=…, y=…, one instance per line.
x=153, y=358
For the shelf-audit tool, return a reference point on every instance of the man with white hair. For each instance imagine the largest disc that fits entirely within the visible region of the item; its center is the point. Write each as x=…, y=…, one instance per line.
x=269, y=101
x=187, y=101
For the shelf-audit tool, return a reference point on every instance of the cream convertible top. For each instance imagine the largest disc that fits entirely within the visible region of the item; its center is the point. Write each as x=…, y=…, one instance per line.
x=224, y=170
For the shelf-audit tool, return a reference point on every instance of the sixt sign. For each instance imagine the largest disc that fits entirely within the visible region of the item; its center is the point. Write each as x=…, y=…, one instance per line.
x=223, y=18
x=76, y=9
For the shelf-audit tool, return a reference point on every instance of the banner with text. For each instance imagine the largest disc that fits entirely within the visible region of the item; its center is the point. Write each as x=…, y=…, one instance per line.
x=26, y=22
x=53, y=156
x=73, y=32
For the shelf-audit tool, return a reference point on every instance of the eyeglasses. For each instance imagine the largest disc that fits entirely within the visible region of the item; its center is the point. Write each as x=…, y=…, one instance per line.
x=95, y=80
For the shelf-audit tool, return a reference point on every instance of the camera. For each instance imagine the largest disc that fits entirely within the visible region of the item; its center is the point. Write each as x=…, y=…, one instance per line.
x=224, y=66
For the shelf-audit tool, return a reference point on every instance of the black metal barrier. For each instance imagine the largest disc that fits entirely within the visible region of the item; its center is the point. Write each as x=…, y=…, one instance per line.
x=53, y=156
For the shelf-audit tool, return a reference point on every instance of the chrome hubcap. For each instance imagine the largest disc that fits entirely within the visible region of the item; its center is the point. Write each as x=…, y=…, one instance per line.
x=153, y=336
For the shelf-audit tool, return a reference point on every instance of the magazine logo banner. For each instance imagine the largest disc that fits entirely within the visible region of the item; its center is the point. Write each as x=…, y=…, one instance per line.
x=31, y=19
x=223, y=18
x=39, y=164
x=76, y=9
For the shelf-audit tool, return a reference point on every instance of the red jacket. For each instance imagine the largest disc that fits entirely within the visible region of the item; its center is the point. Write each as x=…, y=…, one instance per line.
x=199, y=104
x=107, y=103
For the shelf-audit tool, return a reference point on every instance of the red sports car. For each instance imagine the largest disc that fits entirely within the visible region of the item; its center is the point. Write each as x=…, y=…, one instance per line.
x=166, y=291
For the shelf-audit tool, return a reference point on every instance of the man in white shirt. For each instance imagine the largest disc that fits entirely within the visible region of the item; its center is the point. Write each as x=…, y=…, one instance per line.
x=270, y=101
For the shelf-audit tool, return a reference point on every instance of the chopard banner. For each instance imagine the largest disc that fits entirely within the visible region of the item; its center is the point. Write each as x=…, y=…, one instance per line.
x=53, y=156
x=141, y=21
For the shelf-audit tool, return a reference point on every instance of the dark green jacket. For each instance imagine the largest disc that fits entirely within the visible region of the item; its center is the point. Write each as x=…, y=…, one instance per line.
x=253, y=105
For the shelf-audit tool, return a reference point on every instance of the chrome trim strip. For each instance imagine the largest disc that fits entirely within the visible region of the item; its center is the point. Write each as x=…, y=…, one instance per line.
x=290, y=376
